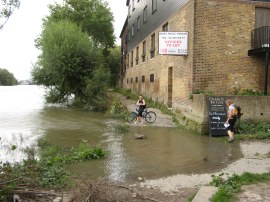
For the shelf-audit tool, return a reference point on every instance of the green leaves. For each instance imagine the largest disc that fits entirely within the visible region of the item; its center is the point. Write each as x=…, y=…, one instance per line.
x=67, y=61
x=93, y=16
x=7, y=78
x=6, y=10
x=75, y=60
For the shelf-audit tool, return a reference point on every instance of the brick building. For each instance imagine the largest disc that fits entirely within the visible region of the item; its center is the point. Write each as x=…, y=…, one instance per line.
x=227, y=48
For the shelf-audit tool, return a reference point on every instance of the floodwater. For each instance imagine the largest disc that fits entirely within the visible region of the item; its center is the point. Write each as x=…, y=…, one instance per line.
x=24, y=118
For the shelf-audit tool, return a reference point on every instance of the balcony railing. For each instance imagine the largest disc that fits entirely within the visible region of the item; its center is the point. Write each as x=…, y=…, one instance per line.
x=260, y=37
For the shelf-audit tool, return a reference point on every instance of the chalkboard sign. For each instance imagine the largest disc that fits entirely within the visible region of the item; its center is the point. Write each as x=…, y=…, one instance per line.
x=217, y=114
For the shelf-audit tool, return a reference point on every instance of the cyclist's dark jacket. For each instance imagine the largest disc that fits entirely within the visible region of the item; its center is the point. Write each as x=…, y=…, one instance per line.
x=141, y=108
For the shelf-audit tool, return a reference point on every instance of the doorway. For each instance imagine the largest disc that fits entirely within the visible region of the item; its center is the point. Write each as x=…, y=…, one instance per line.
x=170, y=86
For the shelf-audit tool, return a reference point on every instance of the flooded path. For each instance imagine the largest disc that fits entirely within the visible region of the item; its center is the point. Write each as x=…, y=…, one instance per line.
x=166, y=150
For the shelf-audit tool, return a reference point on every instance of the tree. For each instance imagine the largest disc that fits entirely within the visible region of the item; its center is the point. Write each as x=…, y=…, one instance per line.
x=67, y=63
x=114, y=64
x=7, y=78
x=7, y=8
x=93, y=16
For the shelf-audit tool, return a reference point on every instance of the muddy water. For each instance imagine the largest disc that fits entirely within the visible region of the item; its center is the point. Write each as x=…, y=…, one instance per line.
x=166, y=151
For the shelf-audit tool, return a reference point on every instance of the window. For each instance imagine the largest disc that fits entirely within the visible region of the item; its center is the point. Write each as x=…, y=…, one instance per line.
x=132, y=30
x=127, y=80
x=137, y=55
x=145, y=14
x=165, y=27
x=152, y=78
x=138, y=23
x=133, y=5
x=154, y=6
x=128, y=61
x=129, y=35
x=143, y=51
x=131, y=59
x=129, y=11
x=152, y=50
x=136, y=79
x=143, y=79
x=131, y=80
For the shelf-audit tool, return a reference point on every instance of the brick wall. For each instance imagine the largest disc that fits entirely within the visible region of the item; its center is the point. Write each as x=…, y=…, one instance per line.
x=221, y=40
x=182, y=20
x=217, y=60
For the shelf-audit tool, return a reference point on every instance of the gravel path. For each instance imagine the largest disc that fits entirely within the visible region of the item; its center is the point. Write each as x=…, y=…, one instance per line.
x=163, y=120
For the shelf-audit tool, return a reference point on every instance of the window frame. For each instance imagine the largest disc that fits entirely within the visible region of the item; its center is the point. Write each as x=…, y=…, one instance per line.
x=138, y=23
x=153, y=45
x=165, y=27
x=128, y=61
x=152, y=78
x=137, y=55
x=154, y=6
x=129, y=11
x=143, y=51
x=133, y=5
x=143, y=78
x=145, y=15
x=132, y=30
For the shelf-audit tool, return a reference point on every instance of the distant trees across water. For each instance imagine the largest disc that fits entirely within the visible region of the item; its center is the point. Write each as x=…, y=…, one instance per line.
x=7, y=78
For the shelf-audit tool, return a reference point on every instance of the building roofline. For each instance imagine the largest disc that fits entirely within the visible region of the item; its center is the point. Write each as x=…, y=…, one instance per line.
x=124, y=26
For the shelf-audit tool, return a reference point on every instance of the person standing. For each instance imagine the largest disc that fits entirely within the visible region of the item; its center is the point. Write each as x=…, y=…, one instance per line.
x=230, y=120
x=141, y=104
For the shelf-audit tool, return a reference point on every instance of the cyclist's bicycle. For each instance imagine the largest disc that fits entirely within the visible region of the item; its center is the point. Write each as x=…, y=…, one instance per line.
x=148, y=116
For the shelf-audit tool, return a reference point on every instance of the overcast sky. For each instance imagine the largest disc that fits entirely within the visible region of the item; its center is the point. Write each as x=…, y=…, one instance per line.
x=17, y=50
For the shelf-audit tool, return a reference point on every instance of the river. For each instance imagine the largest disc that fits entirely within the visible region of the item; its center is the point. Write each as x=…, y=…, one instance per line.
x=24, y=118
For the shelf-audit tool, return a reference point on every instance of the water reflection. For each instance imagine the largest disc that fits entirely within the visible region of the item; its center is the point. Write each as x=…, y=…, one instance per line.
x=166, y=151
x=117, y=163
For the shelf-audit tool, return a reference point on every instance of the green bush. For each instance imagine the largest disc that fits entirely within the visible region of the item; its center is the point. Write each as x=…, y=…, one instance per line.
x=117, y=109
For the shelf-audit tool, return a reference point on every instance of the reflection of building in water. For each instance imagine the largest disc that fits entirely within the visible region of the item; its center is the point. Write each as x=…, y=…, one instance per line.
x=220, y=33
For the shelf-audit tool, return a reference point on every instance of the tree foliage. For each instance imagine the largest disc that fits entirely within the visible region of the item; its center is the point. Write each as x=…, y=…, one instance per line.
x=93, y=16
x=67, y=60
x=113, y=61
x=7, y=78
x=6, y=10
x=74, y=46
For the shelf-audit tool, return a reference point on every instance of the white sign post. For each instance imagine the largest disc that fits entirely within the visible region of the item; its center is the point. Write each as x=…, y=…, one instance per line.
x=173, y=43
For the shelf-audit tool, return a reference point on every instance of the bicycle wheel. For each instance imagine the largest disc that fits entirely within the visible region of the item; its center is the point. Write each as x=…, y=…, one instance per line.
x=150, y=117
x=131, y=117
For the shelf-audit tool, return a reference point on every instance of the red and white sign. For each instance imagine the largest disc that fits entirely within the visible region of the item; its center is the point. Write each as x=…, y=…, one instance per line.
x=173, y=43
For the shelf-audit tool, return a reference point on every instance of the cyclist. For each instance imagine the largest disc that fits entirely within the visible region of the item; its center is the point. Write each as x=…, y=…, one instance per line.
x=141, y=104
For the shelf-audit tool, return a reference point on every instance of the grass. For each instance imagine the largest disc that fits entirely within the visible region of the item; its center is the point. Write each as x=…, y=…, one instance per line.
x=253, y=130
x=228, y=188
